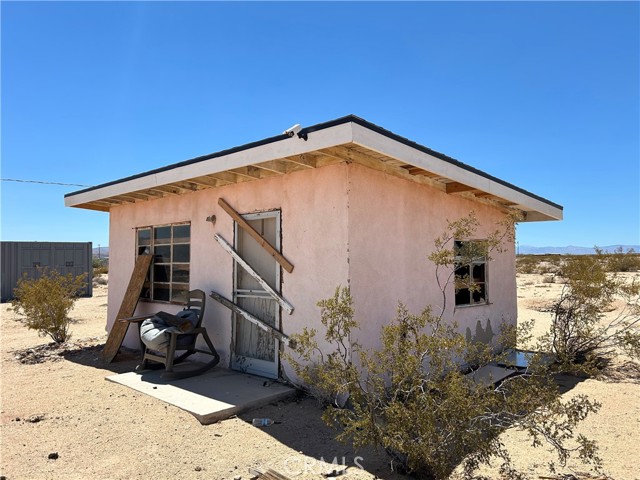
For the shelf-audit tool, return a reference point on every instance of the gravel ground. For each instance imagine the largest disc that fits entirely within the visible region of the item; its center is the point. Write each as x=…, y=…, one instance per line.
x=61, y=419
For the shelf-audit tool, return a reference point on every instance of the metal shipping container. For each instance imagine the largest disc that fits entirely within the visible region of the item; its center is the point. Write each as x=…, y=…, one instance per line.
x=30, y=258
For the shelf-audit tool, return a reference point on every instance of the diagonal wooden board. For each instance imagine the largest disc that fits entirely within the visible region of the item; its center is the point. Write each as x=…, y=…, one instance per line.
x=256, y=321
x=249, y=269
x=127, y=308
x=242, y=223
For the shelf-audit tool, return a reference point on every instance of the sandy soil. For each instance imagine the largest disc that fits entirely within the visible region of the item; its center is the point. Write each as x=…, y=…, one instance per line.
x=56, y=403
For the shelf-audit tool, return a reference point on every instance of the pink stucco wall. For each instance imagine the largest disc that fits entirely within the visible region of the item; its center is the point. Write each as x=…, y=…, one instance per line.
x=341, y=224
x=314, y=239
x=392, y=227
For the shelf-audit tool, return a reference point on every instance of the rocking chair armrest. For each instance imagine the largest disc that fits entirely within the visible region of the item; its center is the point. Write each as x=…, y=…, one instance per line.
x=136, y=319
x=182, y=332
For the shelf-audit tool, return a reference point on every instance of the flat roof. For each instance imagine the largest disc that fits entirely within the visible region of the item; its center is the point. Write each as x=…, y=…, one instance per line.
x=348, y=138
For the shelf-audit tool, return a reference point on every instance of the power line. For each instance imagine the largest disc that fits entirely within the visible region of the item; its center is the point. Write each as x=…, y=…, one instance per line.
x=43, y=183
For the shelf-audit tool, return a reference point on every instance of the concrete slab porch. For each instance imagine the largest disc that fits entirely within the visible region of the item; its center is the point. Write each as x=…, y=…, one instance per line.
x=211, y=397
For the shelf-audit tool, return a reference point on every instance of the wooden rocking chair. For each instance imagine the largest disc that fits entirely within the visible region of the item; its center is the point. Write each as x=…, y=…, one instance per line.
x=180, y=341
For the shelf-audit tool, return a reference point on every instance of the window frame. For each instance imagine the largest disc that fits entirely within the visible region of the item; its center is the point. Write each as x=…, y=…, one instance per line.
x=470, y=282
x=151, y=243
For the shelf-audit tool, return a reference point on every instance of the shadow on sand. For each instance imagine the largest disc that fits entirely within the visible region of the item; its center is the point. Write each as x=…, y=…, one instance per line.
x=90, y=356
x=299, y=425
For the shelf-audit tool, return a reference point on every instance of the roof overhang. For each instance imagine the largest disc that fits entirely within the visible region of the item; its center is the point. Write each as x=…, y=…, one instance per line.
x=347, y=139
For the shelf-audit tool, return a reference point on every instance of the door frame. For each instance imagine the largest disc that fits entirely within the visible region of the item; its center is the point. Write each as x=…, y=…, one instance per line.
x=257, y=366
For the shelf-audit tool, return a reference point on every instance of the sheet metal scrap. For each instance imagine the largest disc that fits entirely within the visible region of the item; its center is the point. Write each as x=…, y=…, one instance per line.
x=267, y=474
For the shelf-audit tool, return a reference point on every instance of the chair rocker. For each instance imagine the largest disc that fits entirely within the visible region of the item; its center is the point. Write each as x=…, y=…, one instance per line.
x=182, y=341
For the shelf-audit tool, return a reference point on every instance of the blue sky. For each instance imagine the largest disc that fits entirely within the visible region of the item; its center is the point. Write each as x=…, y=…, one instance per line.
x=543, y=95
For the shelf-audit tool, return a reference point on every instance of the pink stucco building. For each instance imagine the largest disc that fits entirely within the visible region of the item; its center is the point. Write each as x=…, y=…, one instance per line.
x=346, y=202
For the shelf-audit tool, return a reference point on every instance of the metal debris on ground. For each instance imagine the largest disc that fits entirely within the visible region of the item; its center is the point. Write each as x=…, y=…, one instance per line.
x=35, y=418
x=267, y=474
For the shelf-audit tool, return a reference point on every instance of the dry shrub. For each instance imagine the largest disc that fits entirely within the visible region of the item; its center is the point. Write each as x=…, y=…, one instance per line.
x=581, y=333
x=625, y=372
x=45, y=302
x=413, y=397
x=621, y=261
x=526, y=264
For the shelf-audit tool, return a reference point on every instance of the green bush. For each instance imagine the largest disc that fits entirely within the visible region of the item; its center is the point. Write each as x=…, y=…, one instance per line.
x=100, y=266
x=46, y=302
x=583, y=329
x=527, y=264
x=540, y=264
x=621, y=261
x=413, y=397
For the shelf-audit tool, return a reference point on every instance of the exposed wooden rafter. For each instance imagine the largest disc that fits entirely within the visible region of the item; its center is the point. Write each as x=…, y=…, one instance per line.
x=339, y=153
x=227, y=177
x=485, y=195
x=186, y=185
x=125, y=198
x=98, y=206
x=345, y=153
x=139, y=195
x=418, y=171
x=455, y=187
x=113, y=201
x=101, y=203
x=304, y=160
x=153, y=193
x=276, y=166
x=205, y=181
x=169, y=189
x=250, y=172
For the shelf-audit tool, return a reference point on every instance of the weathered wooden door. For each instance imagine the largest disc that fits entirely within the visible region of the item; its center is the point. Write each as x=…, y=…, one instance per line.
x=256, y=351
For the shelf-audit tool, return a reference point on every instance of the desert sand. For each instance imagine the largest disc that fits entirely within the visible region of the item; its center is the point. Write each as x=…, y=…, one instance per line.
x=60, y=418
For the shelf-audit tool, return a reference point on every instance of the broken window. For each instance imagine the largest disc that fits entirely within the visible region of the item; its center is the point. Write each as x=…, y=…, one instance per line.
x=168, y=277
x=470, y=272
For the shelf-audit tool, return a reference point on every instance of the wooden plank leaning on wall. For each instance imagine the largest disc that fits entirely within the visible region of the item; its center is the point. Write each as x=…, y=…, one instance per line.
x=127, y=308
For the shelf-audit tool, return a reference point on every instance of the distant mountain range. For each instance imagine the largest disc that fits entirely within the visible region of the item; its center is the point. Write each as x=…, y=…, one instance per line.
x=101, y=252
x=572, y=250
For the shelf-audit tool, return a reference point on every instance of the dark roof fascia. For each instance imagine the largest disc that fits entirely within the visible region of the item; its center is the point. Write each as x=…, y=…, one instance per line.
x=445, y=158
x=182, y=164
x=222, y=153
x=315, y=128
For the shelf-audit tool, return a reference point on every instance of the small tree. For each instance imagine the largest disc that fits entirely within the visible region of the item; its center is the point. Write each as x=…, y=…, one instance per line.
x=46, y=302
x=413, y=396
x=586, y=325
